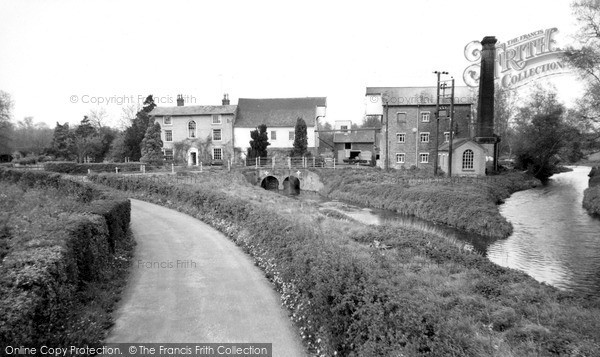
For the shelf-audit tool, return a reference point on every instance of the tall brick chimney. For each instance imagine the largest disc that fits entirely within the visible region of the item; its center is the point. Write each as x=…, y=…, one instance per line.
x=225, y=99
x=485, y=106
x=179, y=100
x=484, y=126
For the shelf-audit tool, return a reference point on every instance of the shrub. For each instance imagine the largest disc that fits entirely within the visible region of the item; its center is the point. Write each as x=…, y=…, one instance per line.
x=591, y=200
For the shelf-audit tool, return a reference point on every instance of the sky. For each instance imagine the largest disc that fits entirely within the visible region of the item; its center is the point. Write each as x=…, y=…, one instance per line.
x=58, y=59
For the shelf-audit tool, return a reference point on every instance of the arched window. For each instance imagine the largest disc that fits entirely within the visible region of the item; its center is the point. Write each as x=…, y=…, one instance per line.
x=192, y=129
x=467, y=160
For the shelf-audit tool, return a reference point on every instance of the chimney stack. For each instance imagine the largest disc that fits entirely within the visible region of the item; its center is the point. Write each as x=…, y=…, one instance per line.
x=225, y=99
x=179, y=100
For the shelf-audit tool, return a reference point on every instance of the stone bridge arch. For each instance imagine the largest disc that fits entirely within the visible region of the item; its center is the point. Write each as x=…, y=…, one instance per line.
x=296, y=179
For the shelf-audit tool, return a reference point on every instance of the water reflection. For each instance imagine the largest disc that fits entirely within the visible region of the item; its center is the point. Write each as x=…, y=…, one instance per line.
x=554, y=238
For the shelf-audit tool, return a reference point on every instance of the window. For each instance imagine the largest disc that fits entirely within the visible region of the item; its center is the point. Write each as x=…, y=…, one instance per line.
x=192, y=129
x=169, y=154
x=348, y=146
x=292, y=135
x=425, y=117
x=217, y=154
x=216, y=119
x=401, y=137
x=446, y=136
x=424, y=137
x=401, y=117
x=217, y=134
x=400, y=158
x=344, y=127
x=424, y=158
x=167, y=121
x=168, y=135
x=273, y=135
x=467, y=160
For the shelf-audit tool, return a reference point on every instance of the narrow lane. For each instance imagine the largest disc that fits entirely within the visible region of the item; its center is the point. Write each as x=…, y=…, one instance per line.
x=190, y=283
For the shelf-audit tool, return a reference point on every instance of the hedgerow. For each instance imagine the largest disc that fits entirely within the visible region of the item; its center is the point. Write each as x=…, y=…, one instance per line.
x=76, y=168
x=66, y=248
x=422, y=297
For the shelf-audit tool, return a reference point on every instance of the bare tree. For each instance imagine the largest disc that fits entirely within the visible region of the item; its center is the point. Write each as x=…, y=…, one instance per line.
x=98, y=117
x=128, y=114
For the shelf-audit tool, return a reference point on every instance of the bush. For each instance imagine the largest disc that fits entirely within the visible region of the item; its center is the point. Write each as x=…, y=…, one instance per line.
x=591, y=200
x=74, y=168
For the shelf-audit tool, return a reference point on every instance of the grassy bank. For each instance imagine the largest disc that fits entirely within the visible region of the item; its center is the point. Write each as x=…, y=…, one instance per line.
x=65, y=249
x=470, y=204
x=422, y=297
x=591, y=200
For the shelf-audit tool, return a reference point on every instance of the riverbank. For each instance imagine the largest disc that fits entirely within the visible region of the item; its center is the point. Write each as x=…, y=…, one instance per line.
x=469, y=204
x=358, y=290
x=591, y=196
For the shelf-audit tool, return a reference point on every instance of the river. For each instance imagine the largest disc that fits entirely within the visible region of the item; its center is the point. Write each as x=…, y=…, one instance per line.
x=554, y=240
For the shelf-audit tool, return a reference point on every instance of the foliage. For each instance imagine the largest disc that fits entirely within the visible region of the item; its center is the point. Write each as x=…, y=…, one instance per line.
x=65, y=260
x=259, y=142
x=135, y=133
x=424, y=297
x=75, y=168
x=300, y=139
x=371, y=121
x=591, y=200
x=152, y=146
x=63, y=145
x=6, y=126
x=31, y=138
x=540, y=134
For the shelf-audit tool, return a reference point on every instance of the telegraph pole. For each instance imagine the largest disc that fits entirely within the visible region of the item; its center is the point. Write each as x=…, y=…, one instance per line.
x=451, y=128
x=437, y=121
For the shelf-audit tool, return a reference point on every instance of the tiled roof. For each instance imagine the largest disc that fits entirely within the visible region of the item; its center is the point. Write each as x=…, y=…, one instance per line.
x=277, y=112
x=422, y=95
x=456, y=143
x=363, y=136
x=194, y=110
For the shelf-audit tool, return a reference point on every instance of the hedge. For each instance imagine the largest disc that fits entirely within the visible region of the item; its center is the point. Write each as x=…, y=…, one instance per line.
x=75, y=168
x=40, y=282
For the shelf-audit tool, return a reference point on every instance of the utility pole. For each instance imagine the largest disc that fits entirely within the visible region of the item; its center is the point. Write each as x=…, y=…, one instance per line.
x=387, y=146
x=437, y=121
x=451, y=129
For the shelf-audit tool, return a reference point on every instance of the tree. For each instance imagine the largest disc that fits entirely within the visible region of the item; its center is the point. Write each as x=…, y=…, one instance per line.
x=151, y=147
x=32, y=138
x=63, y=146
x=371, y=121
x=504, y=112
x=540, y=134
x=98, y=117
x=6, y=126
x=117, y=148
x=300, y=139
x=585, y=60
x=259, y=142
x=136, y=132
x=86, y=141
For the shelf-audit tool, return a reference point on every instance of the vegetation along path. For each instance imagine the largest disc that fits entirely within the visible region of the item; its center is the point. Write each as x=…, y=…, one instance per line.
x=189, y=283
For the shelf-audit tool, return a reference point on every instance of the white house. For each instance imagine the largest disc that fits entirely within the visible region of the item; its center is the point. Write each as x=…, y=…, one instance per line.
x=468, y=158
x=280, y=116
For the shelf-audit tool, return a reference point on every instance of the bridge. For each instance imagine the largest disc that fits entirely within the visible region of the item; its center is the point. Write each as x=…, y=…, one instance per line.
x=292, y=180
